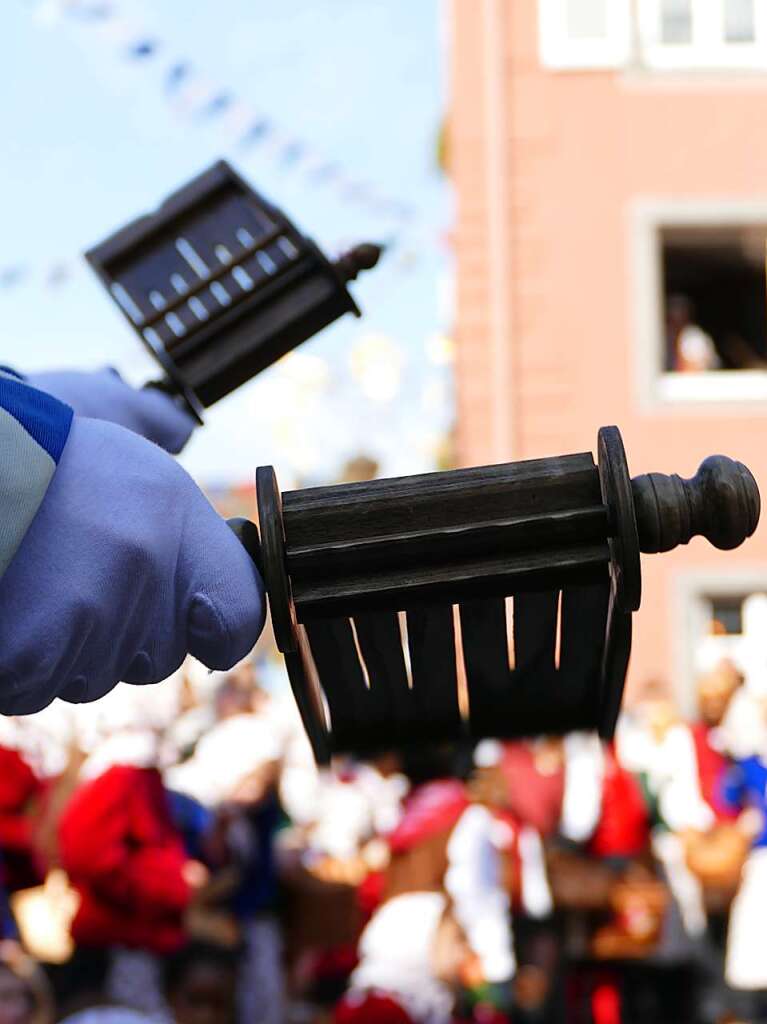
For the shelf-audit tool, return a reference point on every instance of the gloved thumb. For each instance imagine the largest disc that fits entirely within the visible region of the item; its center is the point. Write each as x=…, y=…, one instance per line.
x=226, y=612
x=162, y=420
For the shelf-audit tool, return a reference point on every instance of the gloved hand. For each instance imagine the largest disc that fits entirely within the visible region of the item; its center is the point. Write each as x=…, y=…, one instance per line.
x=104, y=395
x=124, y=570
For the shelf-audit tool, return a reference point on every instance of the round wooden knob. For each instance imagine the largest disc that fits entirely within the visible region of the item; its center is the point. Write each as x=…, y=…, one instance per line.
x=362, y=257
x=721, y=502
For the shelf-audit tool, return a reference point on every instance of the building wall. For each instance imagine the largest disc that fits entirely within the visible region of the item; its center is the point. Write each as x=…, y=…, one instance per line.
x=549, y=169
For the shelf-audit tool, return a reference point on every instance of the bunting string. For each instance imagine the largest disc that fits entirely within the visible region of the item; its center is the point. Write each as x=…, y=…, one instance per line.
x=193, y=95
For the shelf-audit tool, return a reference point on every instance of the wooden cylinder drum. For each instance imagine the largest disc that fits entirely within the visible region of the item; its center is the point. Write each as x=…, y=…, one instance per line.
x=493, y=601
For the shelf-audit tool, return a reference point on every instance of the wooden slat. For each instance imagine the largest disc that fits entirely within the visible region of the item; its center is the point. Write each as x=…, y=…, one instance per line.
x=341, y=676
x=485, y=655
x=615, y=666
x=582, y=526
x=391, y=711
x=390, y=507
x=309, y=708
x=431, y=642
x=535, y=629
x=584, y=623
x=465, y=580
x=416, y=484
x=531, y=705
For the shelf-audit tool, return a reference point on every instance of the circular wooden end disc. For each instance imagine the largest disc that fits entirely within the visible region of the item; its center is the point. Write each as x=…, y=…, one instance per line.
x=273, y=559
x=310, y=713
x=614, y=668
x=623, y=540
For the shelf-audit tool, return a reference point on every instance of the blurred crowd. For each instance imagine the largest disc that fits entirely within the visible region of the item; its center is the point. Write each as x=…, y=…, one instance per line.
x=173, y=854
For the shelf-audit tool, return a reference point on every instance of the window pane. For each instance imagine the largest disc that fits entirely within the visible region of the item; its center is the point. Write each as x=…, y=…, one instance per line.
x=586, y=19
x=739, y=24
x=676, y=21
x=726, y=616
x=715, y=311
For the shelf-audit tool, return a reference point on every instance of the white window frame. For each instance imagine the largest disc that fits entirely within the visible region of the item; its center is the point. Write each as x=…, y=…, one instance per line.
x=731, y=392
x=559, y=52
x=691, y=597
x=708, y=48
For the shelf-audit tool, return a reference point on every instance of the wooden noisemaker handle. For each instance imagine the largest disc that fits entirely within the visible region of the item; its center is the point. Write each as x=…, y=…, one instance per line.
x=721, y=503
x=246, y=533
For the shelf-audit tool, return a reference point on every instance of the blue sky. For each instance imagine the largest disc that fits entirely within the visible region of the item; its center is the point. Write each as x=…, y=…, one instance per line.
x=90, y=140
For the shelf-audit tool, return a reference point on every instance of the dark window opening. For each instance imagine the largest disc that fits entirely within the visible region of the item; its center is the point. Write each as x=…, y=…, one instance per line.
x=715, y=307
x=726, y=616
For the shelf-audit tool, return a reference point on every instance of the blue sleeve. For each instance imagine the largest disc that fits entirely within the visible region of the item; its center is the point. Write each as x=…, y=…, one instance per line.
x=733, y=788
x=34, y=428
x=193, y=821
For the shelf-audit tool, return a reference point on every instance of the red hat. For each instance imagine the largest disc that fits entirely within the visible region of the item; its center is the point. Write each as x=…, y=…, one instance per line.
x=370, y=1008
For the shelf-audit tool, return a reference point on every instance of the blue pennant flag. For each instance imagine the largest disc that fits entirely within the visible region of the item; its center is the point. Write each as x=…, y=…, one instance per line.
x=58, y=274
x=257, y=131
x=94, y=11
x=143, y=48
x=292, y=152
x=221, y=102
x=177, y=74
x=10, y=276
x=326, y=172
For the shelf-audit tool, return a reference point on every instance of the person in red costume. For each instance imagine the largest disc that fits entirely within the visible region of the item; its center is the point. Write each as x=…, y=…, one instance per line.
x=372, y=1008
x=622, y=832
x=20, y=792
x=715, y=692
x=126, y=859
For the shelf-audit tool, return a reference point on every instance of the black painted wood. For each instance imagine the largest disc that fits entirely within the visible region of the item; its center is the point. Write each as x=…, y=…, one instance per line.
x=583, y=627
x=308, y=706
x=455, y=582
x=272, y=552
x=583, y=622
x=218, y=283
x=431, y=642
x=624, y=539
x=380, y=642
x=486, y=657
x=721, y=503
x=557, y=536
x=343, y=680
x=433, y=501
x=435, y=544
x=535, y=688
x=615, y=665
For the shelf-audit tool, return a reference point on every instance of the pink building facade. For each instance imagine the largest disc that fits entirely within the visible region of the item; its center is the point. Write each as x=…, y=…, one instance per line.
x=609, y=156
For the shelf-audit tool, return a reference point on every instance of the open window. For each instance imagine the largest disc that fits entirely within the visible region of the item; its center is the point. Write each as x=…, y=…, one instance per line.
x=723, y=617
x=701, y=302
x=670, y=35
x=585, y=34
x=730, y=622
x=714, y=307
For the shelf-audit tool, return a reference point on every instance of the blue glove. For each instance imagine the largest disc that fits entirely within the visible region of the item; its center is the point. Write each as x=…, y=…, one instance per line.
x=124, y=570
x=104, y=395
